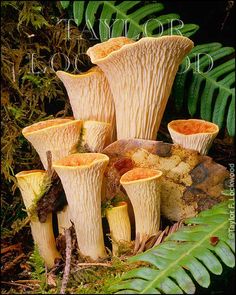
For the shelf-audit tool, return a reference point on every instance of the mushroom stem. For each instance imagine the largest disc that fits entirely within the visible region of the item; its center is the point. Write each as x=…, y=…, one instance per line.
x=96, y=135
x=119, y=224
x=193, y=134
x=81, y=176
x=90, y=96
x=140, y=75
x=63, y=218
x=30, y=184
x=143, y=186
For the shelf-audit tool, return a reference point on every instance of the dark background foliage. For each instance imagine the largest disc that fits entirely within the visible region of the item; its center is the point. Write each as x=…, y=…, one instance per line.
x=31, y=27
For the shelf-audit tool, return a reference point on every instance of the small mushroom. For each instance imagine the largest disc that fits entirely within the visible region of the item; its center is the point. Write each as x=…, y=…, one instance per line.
x=31, y=183
x=81, y=176
x=193, y=134
x=119, y=224
x=140, y=75
x=143, y=186
x=90, y=96
x=96, y=135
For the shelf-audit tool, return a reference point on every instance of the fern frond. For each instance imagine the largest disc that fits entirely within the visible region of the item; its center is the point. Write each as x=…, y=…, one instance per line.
x=211, y=91
x=199, y=248
x=130, y=18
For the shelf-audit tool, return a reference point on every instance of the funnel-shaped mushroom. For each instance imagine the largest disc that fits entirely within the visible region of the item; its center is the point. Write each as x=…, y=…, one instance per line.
x=90, y=96
x=96, y=134
x=193, y=134
x=56, y=135
x=31, y=183
x=119, y=224
x=143, y=186
x=140, y=75
x=81, y=176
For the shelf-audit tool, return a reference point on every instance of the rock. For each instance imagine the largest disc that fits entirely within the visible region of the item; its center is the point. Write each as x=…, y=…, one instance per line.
x=191, y=182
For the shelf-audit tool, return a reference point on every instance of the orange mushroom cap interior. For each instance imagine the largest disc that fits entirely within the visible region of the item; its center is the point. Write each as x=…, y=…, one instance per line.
x=188, y=127
x=140, y=173
x=46, y=124
x=120, y=204
x=80, y=159
x=113, y=44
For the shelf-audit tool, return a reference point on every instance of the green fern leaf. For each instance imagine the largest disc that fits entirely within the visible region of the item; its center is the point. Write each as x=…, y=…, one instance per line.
x=65, y=4
x=199, y=248
x=210, y=91
x=115, y=19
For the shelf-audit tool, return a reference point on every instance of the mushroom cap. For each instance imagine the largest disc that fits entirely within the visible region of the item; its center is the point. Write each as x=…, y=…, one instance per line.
x=47, y=124
x=80, y=160
x=112, y=47
x=193, y=126
x=31, y=183
x=102, y=50
x=139, y=175
x=193, y=134
x=29, y=173
x=56, y=135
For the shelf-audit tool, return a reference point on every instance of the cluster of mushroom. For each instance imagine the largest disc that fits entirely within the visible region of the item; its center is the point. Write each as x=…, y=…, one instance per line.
x=123, y=96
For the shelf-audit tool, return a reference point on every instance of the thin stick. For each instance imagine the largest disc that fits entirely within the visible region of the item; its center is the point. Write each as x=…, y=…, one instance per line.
x=11, y=248
x=93, y=264
x=17, y=284
x=68, y=261
x=13, y=263
x=27, y=281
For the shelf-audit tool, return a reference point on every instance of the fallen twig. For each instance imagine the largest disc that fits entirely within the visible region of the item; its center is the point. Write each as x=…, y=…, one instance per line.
x=11, y=248
x=18, y=284
x=68, y=261
x=13, y=263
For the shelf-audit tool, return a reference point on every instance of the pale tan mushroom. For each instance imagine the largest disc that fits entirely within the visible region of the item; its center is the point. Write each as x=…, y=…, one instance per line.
x=90, y=96
x=59, y=136
x=81, y=176
x=96, y=135
x=140, y=75
x=193, y=134
x=119, y=224
x=143, y=186
x=31, y=184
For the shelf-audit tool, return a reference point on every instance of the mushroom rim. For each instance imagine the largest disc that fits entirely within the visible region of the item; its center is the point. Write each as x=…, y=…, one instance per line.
x=24, y=173
x=103, y=159
x=133, y=44
x=216, y=131
x=93, y=71
x=67, y=122
x=118, y=205
x=158, y=174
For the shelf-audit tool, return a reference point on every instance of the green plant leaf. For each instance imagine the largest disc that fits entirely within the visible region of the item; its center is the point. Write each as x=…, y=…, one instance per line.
x=129, y=18
x=210, y=91
x=65, y=4
x=78, y=8
x=199, y=248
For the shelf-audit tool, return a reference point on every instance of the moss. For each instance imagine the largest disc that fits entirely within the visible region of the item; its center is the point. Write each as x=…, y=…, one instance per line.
x=31, y=92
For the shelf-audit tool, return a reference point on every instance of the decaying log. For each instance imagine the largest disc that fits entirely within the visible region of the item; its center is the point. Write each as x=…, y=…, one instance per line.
x=191, y=182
